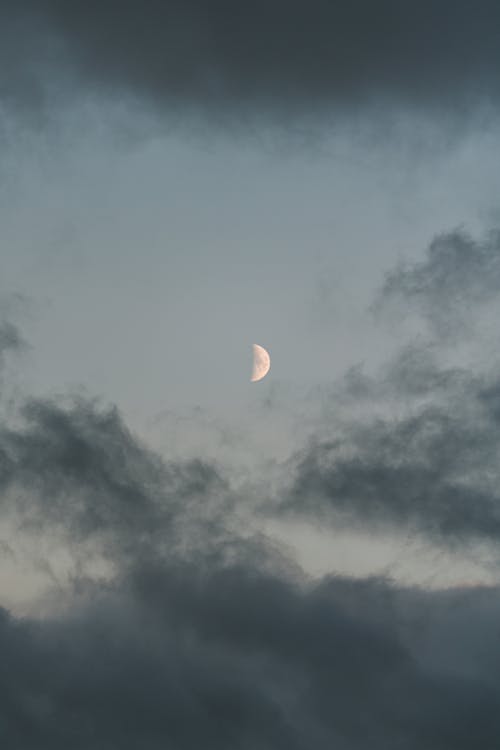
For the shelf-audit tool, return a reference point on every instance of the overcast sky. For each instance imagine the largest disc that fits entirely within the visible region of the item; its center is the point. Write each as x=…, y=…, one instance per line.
x=188, y=558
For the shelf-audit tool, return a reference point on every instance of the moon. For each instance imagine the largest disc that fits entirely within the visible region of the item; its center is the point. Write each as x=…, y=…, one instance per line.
x=261, y=363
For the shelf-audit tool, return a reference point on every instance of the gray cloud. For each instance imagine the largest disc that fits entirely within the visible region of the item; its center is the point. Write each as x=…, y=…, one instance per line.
x=205, y=636
x=11, y=342
x=203, y=633
x=414, y=371
x=271, y=57
x=458, y=274
x=10, y=339
x=434, y=472
x=422, y=456
x=174, y=656
x=78, y=468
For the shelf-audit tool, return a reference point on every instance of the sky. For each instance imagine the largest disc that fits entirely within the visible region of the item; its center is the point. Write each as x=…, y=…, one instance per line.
x=187, y=558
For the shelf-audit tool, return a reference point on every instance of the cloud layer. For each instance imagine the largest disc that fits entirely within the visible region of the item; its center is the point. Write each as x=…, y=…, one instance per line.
x=230, y=658
x=259, y=58
x=194, y=642
x=197, y=631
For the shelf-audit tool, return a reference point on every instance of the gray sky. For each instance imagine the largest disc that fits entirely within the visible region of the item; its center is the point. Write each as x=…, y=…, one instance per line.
x=249, y=561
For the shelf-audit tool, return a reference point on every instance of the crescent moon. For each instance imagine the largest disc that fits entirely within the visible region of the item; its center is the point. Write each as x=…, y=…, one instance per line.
x=261, y=363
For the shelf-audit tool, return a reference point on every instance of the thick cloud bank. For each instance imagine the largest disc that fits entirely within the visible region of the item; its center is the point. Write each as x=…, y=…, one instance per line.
x=202, y=637
x=271, y=57
x=176, y=657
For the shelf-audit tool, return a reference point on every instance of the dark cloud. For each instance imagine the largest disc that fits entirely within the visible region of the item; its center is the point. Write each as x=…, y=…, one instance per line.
x=458, y=274
x=11, y=342
x=10, y=339
x=77, y=467
x=420, y=454
x=230, y=658
x=203, y=635
x=271, y=57
x=434, y=472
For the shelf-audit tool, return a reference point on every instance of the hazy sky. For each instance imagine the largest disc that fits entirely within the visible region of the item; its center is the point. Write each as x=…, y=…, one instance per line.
x=186, y=557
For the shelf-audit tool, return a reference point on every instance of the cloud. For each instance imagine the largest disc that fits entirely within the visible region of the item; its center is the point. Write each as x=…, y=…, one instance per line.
x=10, y=339
x=76, y=467
x=419, y=452
x=230, y=658
x=260, y=58
x=188, y=644
x=458, y=274
x=434, y=472
x=202, y=632
x=414, y=371
x=11, y=342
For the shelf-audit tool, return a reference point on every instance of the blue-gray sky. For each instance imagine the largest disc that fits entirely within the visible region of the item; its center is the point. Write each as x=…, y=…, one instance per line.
x=187, y=557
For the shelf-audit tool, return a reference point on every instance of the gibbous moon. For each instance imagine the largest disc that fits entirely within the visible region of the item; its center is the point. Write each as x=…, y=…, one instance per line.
x=261, y=363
